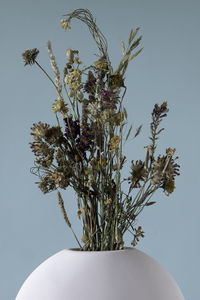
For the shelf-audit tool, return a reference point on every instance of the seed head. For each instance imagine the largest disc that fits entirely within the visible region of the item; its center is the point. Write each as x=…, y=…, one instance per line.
x=29, y=56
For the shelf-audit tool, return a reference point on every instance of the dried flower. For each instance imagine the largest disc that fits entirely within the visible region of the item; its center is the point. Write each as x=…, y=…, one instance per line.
x=109, y=99
x=55, y=71
x=84, y=239
x=119, y=118
x=54, y=135
x=70, y=56
x=39, y=130
x=168, y=186
x=101, y=63
x=160, y=110
x=40, y=148
x=108, y=201
x=79, y=212
x=61, y=203
x=89, y=86
x=94, y=111
x=29, y=56
x=60, y=106
x=114, y=142
x=116, y=81
x=72, y=129
x=74, y=80
x=65, y=24
x=60, y=179
x=46, y=185
x=86, y=139
x=164, y=171
x=137, y=234
x=138, y=173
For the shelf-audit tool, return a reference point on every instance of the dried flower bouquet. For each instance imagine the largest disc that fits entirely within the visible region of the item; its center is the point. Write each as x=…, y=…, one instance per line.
x=84, y=149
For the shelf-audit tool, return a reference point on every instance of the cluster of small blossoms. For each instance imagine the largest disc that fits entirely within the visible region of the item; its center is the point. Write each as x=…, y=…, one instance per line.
x=86, y=139
x=114, y=142
x=60, y=179
x=72, y=128
x=137, y=234
x=90, y=85
x=73, y=80
x=103, y=95
x=109, y=99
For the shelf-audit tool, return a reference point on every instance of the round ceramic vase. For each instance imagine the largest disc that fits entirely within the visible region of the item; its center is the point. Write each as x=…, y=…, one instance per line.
x=127, y=274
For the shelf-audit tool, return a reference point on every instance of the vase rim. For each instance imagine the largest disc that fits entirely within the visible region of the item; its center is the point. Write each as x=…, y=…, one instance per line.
x=99, y=251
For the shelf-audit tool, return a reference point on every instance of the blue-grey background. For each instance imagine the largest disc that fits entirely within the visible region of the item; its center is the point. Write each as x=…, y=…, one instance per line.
x=31, y=226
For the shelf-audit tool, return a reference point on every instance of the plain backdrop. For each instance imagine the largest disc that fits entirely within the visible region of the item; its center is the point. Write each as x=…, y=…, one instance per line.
x=168, y=69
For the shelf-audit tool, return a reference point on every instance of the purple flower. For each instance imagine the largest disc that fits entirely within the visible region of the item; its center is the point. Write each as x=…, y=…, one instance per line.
x=86, y=139
x=89, y=85
x=109, y=99
x=72, y=128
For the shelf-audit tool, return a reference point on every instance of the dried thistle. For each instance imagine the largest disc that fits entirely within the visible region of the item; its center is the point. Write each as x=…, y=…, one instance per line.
x=46, y=185
x=39, y=130
x=138, y=174
x=29, y=56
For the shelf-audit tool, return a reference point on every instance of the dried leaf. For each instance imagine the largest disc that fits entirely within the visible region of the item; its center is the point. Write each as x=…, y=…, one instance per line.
x=123, y=48
x=135, y=44
x=136, y=54
x=130, y=36
x=129, y=132
x=125, y=59
x=133, y=34
x=150, y=203
x=125, y=113
x=159, y=131
x=138, y=131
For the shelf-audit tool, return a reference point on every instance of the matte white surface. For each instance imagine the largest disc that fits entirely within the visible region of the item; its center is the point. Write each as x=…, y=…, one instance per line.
x=108, y=275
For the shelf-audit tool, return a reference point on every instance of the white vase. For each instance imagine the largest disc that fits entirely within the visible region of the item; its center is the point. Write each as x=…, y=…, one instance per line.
x=127, y=274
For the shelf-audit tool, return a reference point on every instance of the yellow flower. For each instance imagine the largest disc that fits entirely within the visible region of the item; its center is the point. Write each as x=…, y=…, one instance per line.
x=108, y=201
x=119, y=118
x=65, y=24
x=114, y=142
x=86, y=171
x=84, y=239
x=103, y=162
x=74, y=80
x=101, y=63
x=116, y=81
x=79, y=212
x=133, y=243
x=95, y=163
x=169, y=186
x=89, y=182
x=115, y=167
x=60, y=106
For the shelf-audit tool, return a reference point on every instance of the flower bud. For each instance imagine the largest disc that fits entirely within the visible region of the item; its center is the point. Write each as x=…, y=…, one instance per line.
x=80, y=95
x=70, y=55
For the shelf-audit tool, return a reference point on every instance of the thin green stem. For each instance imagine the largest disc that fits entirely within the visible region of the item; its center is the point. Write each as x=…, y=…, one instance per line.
x=47, y=75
